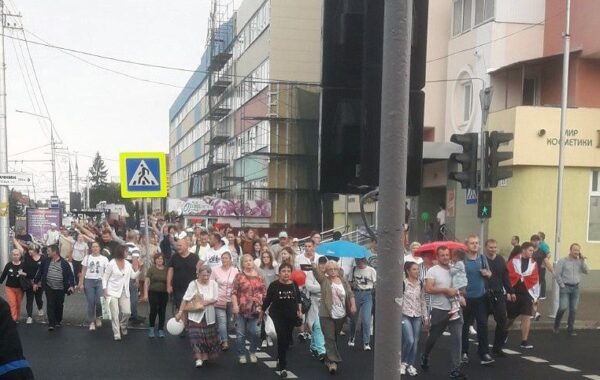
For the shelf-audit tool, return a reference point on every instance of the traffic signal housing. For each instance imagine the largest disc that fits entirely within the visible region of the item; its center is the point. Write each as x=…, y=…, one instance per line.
x=494, y=172
x=467, y=159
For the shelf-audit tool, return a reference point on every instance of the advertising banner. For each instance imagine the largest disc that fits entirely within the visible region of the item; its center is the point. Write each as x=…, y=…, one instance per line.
x=215, y=207
x=39, y=219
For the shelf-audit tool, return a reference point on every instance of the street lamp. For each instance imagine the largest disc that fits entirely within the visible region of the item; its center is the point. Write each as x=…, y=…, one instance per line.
x=52, y=147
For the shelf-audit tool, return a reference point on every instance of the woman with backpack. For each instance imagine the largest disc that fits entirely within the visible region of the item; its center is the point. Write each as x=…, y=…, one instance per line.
x=414, y=315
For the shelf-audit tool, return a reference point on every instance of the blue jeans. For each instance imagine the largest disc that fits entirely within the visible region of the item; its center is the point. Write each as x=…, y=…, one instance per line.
x=411, y=329
x=133, y=298
x=93, y=292
x=246, y=328
x=569, y=298
x=317, y=343
x=364, y=305
x=223, y=317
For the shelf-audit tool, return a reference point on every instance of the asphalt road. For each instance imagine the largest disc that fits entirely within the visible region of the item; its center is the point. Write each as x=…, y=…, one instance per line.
x=75, y=353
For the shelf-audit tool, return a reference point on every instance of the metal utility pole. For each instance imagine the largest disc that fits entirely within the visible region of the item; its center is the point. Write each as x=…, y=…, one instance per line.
x=561, y=146
x=76, y=174
x=485, y=98
x=4, y=206
x=397, y=33
x=52, y=142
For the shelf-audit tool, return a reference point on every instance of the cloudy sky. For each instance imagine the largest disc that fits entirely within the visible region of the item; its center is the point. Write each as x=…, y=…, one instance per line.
x=94, y=109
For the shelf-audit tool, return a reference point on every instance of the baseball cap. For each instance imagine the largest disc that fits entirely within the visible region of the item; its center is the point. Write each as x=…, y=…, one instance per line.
x=283, y=234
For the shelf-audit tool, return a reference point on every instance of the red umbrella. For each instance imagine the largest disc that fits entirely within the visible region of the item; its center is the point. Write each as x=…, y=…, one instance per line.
x=433, y=246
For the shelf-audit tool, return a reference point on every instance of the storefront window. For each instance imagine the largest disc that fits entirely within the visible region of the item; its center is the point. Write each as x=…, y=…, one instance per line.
x=594, y=209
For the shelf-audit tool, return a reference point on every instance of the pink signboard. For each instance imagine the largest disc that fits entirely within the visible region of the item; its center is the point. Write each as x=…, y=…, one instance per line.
x=39, y=219
x=209, y=206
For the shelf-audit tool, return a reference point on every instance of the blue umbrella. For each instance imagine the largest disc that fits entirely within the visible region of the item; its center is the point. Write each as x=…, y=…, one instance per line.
x=343, y=248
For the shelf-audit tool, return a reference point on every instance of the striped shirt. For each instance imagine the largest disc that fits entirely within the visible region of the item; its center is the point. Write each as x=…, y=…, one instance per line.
x=55, y=276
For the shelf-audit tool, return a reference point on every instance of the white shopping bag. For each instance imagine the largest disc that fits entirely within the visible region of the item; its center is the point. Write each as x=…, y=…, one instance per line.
x=270, y=327
x=105, y=302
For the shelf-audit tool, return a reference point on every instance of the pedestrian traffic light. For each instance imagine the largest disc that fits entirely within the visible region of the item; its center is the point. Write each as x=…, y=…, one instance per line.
x=484, y=204
x=467, y=159
x=494, y=172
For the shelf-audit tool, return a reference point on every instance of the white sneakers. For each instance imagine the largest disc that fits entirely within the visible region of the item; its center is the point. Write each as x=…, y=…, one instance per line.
x=199, y=363
x=98, y=322
x=405, y=368
x=366, y=347
x=243, y=359
x=412, y=371
x=40, y=313
x=29, y=320
x=253, y=359
x=351, y=342
x=264, y=344
x=92, y=326
x=269, y=341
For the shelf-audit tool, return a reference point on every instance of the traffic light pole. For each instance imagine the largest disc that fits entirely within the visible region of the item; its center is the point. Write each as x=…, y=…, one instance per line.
x=397, y=30
x=485, y=97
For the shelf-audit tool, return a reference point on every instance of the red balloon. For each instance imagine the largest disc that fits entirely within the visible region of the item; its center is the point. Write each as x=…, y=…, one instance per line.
x=299, y=277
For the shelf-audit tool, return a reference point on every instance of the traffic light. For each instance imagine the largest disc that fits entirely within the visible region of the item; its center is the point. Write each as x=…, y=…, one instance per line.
x=484, y=204
x=352, y=59
x=494, y=172
x=468, y=159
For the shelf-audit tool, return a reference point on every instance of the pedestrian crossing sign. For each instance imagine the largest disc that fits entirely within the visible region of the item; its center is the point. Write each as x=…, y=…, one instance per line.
x=143, y=175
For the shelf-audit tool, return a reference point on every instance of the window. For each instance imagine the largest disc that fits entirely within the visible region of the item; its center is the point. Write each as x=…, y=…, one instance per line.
x=484, y=11
x=468, y=100
x=530, y=93
x=594, y=209
x=461, y=16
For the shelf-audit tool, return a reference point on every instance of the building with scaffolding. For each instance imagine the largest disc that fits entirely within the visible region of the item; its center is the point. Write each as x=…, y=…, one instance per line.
x=243, y=133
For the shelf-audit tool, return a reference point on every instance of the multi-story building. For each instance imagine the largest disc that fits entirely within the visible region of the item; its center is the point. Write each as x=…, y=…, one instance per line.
x=515, y=47
x=244, y=132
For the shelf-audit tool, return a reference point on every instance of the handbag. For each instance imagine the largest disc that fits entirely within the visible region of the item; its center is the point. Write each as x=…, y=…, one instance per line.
x=270, y=327
x=304, y=300
x=25, y=283
x=197, y=303
x=105, y=304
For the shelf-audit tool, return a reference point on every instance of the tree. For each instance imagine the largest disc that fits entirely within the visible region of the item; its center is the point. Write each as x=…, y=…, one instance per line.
x=98, y=172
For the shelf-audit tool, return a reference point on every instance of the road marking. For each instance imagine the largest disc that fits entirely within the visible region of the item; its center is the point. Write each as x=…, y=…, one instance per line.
x=263, y=355
x=565, y=368
x=232, y=336
x=592, y=377
x=534, y=359
x=271, y=364
x=510, y=352
x=290, y=375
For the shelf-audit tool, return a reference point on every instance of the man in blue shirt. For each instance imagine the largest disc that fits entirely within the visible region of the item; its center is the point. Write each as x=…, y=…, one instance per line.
x=478, y=271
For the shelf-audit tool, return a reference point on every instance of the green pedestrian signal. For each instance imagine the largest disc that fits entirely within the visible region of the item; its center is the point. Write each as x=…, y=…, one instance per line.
x=484, y=204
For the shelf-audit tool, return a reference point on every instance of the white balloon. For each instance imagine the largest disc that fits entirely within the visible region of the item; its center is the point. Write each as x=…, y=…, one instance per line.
x=174, y=327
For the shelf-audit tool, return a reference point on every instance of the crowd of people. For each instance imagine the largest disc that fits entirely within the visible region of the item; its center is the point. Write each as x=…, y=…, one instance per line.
x=220, y=281
x=454, y=291
x=217, y=281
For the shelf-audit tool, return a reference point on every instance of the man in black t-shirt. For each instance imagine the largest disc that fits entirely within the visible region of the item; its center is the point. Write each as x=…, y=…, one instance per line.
x=182, y=271
x=499, y=291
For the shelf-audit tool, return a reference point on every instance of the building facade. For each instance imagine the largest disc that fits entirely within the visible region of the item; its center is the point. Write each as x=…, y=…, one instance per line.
x=244, y=131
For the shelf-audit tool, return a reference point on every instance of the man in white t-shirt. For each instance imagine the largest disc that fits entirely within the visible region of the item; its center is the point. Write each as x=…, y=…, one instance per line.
x=218, y=247
x=308, y=258
x=438, y=283
x=201, y=248
x=51, y=236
